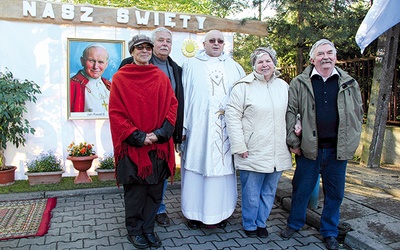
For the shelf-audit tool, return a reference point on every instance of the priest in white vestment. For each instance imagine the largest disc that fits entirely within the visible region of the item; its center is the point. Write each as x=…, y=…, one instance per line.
x=209, y=187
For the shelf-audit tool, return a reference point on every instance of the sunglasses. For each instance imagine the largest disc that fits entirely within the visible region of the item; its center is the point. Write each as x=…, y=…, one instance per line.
x=213, y=40
x=142, y=47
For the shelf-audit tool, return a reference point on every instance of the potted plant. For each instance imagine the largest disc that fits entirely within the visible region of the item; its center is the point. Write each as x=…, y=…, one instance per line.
x=44, y=169
x=14, y=95
x=82, y=156
x=106, y=168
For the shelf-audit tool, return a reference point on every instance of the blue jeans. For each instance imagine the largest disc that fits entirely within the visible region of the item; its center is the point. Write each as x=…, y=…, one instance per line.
x=162, y=209
x=333, y=173
x=258, y=195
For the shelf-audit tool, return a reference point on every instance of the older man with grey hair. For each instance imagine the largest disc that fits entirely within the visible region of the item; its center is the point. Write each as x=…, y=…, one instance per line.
x=89, y=91
x=330, y=106
x=209, y=190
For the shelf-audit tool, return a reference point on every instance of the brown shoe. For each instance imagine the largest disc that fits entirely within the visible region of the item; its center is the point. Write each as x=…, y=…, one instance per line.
x=288, y=232
x=162, y=220
x=331, y=243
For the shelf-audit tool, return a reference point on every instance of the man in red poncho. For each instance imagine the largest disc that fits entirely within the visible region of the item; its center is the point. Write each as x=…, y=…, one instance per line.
x=142, y=111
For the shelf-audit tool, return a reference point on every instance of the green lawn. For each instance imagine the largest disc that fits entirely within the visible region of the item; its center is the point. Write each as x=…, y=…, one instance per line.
x=67, y=183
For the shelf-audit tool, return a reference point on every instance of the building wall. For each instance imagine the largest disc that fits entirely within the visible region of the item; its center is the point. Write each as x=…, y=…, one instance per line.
x=38, y=52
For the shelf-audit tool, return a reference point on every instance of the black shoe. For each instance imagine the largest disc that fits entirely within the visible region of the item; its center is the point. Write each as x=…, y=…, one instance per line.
x=251, y=233
x=222, y=224
x=139, y=241
x=162, y=220
x=262, y=232
x=331, y=243
x=288, y=232
x=153, y=240
x=194, y=224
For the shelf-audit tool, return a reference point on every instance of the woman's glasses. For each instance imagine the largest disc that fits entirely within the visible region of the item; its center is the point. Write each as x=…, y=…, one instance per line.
x=213, y=40
x=142, y=47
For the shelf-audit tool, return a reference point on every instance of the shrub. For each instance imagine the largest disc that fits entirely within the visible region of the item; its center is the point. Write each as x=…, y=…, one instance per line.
x=107, y=162
x=45, y=162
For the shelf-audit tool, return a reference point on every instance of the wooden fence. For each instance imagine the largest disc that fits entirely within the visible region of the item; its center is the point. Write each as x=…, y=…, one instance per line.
x=362, y=69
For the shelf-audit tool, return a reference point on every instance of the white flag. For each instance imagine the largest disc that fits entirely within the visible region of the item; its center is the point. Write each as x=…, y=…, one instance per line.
x=383, y=15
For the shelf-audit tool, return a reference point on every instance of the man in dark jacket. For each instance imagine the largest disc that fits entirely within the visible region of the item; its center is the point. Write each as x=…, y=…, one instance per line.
x=329, y=103
x=162, y=39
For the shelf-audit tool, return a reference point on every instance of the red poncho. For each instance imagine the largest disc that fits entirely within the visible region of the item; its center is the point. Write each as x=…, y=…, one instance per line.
x=141, y=98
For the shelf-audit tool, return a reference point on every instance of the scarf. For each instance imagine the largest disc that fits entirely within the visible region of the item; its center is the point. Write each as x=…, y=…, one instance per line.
x=141, y=98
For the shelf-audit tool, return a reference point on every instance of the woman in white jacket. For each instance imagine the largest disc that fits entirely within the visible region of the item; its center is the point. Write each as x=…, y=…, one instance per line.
x=255, y=117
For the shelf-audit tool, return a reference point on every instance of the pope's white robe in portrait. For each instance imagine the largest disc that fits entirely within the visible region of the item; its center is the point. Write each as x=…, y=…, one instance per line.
x=209, y=188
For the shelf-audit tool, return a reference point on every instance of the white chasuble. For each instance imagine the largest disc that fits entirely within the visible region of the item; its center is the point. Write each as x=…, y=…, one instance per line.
x=207, y=82
x=209, y=188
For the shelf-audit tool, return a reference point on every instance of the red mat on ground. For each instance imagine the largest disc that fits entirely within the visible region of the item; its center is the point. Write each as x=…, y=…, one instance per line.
x=25, y=218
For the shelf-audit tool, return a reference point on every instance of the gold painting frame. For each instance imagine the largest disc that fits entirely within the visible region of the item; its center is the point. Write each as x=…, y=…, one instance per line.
x=91, y=70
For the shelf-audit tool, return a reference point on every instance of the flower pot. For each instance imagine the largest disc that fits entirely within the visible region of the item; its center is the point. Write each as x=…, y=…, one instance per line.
x=44, y=177
x=105, y=174
x=7, y=177
x=82, y=164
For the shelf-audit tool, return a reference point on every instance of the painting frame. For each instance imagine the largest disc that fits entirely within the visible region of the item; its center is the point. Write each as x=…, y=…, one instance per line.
x=79, y=72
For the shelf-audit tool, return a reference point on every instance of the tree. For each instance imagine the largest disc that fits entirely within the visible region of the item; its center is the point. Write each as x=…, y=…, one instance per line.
x=184, y=6
x=299, y=23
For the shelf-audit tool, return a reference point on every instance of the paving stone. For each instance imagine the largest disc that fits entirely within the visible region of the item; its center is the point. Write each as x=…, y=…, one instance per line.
x=89, y=209
x=113, y=247
x=9, y=244
x=288, y=243
x=104, y=241
x=181, y=247
x=71, y=244
x=184, y=241
x=230, y=235
x=247, y=241
x=92, y=228
x=271, y=245
x=82, y=236
x=29, y=241
x=70, y=230
x=57, y=238
x=206, y=245
x=96, y=220
x=225, y=244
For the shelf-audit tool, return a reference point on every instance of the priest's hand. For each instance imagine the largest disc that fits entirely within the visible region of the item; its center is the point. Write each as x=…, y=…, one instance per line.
x=245, y=154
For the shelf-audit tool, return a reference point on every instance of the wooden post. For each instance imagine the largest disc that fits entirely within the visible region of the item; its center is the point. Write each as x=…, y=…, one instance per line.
x=373, y=137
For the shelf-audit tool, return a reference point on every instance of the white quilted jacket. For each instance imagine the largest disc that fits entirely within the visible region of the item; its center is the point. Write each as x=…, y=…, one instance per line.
x=255, y=117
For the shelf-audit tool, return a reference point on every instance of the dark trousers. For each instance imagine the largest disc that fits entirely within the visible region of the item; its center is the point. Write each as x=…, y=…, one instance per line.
x=141, y=205
x=333, y=173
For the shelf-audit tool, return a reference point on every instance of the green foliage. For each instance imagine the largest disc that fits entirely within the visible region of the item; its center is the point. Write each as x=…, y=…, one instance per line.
x=107, y=162
x=45, y=162
x=356, y=158
x=227, y=7
x=244, y=45
x=14, y=95
x=299, y=24
x=183, y=6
